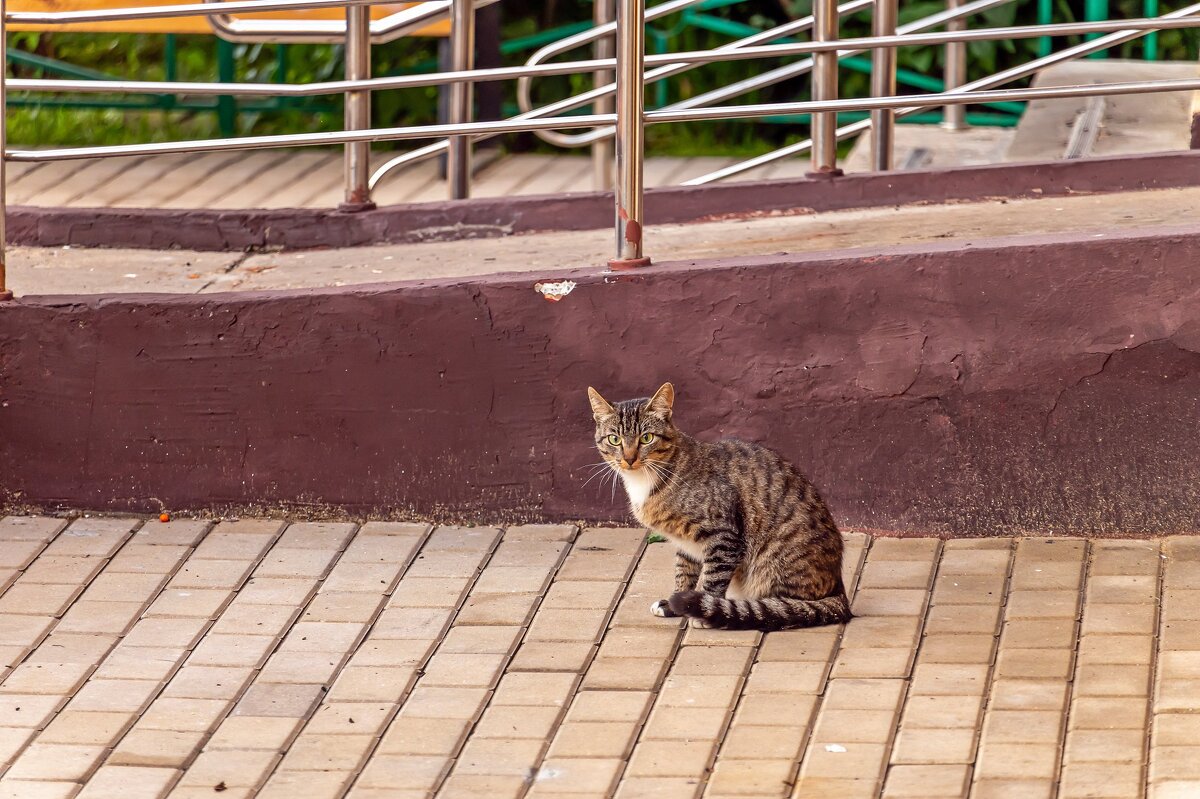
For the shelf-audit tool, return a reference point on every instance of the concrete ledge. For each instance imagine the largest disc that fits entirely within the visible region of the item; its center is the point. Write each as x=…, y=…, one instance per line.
x=1035, y=383
x=308, y=228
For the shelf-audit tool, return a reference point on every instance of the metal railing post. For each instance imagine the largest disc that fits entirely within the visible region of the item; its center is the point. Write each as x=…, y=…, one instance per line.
x=358, y=109
x=462, y=57
x=5, y=294
x=954, y=117
x=605, y=47
x=630, y=132
x=883, y=84
x=825, y=87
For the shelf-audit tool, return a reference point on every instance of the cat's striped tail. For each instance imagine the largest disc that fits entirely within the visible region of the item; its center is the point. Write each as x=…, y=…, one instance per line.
x=772, y=613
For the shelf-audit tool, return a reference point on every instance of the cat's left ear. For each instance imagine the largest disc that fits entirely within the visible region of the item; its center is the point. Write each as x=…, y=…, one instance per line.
x=662, y=401
x=600, y=406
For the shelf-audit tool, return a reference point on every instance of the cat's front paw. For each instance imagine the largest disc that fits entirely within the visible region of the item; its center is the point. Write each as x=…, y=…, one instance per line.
x=662, y=609
x=700, y=624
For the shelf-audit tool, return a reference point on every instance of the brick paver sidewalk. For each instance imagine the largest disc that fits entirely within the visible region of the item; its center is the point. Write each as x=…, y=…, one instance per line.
x=258, y=658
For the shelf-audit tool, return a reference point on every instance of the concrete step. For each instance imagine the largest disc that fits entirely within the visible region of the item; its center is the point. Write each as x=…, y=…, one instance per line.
x=1115, y=125
x=928, y=146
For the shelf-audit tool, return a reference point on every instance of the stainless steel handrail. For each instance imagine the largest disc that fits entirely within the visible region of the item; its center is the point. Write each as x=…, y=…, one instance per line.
x=1128, y=32
x=630, y=117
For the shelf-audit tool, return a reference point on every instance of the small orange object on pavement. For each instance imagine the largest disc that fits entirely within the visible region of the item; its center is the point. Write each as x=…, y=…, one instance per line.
x=164, y=517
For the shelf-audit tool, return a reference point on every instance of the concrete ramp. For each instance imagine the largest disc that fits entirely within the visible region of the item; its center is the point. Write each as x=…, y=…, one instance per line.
x=1116, y=125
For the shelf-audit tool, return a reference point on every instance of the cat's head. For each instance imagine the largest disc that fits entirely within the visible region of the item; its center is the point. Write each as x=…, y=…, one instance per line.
x=633, y=432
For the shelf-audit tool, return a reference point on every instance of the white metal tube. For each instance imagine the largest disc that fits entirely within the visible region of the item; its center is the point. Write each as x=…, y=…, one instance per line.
x=358, y=108
x=954, y=117
x=883, y=84
x=462, y=55
x=604, y=48
x=825, y=87
x=630, y=141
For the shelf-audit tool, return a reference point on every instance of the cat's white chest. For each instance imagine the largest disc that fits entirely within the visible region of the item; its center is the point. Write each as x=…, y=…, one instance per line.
x=638, y=485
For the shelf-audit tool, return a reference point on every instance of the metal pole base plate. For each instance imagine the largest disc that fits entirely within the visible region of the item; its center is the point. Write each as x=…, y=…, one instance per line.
x=832, y=173
x=354, y=208
x=5, y=295
x=628, y=263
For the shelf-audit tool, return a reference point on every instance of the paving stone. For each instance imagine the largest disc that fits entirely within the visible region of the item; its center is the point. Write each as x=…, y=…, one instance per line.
x=23, y=630
x=704, y=691
x=624, y=673
x=140, y=663
x=370, y=578
x=962, y=648
x=167, y=633
x=927, y=782
x=30, y=528
x=177, y=532
x=962, y=619
x=445, y=703
x=123, y=587
x=696, y=636
x=777, y=710
x=916, y=746
x=581, y=594
x=285, y=784
x=317, y=535
x=276, y=591
x=425, y=624
x=1107, y=746
x=684, y=723
x=183, y=715
x=86, y=728
x=1042, y=605
x=63, y=762
x=401, y=772
x=975, y=589
x=847, y=761
x=864, y=694
x=273, y=699
x=750, y=777
x=1016, y=761
x=800, y=646
x=949, y=679
x=1013, y=789
x=498, y=757
x=897, y=574
x=342, y=606
x=889, y=602
x=973, y=561
x=1029, y=695
x=872, y=663
x=71, y=648
x=880, y=632
x=73, y=570
x=189, y=603
x=121, y=782
x=1039, y=634
x=1033, y=664
x=1125, y=650
x=61, y=679
x=920, y=549
x=409, y=735
x=756, y=742
x=631, y=706
x=570, y=656
x=220, y=545
x=541, y=532
x=1107, y=680
x=471, y=785
x=208, y=682
x=234, y=769
x=119, y=696
x=822, y=787
x=511, y=722
x=1122, y=589
x=1022, y=726
x=464, y=670
x=253, y=732
x=13, y=741
x=112, y=618
x=294, y=562
x=941, y=712
x=301, y=667
x=395, y=652
x=19, y=554
x=328, y=752
x=857, y=726
x=37, y=599
x=579, y=775
x=585, y=624
x=160, y=748
x=232, y=650
x=498, y=608
x=604, y=739
x=1107, y=713
x=429, y=592
x=1124, y=619
x=372, y=683
x=1093, y=780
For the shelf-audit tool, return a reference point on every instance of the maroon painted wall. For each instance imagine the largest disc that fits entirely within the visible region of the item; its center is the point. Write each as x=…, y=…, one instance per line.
x=1022, y=384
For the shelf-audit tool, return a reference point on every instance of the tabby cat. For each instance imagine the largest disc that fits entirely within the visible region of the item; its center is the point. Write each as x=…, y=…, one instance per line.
x=757, y=548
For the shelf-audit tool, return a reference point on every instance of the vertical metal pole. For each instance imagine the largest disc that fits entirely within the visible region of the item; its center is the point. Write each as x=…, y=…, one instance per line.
x=605, y=47
x=630, y=138
x=825, y=87
x=358, y=108
x=462, y=56
x=954, y=117
x=5, y=294
x=883, y=84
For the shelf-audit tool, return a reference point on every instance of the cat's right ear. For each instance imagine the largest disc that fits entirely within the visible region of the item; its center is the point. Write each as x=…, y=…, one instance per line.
x=600, y=406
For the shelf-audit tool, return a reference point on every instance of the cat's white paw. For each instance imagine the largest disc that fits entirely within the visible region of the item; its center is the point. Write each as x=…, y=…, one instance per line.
x=661, y=609
x=700, y=624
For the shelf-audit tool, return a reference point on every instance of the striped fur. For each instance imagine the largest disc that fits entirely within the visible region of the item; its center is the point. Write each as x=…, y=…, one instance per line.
x=757, y=547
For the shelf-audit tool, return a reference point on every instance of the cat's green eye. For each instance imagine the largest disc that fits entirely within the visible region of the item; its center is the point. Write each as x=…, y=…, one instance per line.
x=648, y=438
x=614, y=440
